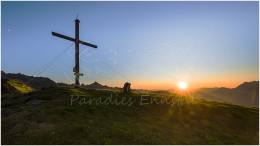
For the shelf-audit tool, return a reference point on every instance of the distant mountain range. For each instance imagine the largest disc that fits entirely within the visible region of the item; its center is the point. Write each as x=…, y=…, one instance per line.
x=246, y=94
x=94, y=85
x=20, y=83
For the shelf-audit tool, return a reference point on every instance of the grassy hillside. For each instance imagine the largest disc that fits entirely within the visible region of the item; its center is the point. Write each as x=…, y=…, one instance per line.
x=36, y=83
x=15, y=87
x=47, y=117
x=21, y=87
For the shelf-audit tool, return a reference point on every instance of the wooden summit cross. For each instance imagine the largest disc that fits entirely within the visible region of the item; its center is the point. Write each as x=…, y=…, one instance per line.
x=77, y=41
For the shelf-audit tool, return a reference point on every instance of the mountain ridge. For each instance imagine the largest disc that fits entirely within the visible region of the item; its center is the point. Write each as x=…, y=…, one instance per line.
x=245, y=94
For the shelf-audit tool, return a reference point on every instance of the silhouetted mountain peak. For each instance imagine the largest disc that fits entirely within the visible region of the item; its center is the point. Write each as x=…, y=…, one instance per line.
x=95, y=85
x=246, y=94
x=254, y=85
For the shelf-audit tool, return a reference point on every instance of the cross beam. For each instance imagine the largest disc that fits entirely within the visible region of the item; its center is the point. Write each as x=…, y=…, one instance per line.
x=77, y=41
x=72, y=39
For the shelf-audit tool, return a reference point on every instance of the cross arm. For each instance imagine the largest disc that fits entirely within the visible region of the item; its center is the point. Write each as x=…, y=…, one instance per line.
x=72, y=39
x=63, y=36
x=87, y=44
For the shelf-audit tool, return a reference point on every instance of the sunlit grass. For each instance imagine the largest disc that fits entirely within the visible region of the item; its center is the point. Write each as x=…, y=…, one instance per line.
x=21, y=87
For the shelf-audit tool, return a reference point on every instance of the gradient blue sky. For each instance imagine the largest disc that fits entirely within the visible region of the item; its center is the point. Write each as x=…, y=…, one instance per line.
x=151, y=44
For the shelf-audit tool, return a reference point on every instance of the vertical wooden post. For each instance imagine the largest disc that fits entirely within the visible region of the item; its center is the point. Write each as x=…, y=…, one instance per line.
x=77, y=41
x=77, y=52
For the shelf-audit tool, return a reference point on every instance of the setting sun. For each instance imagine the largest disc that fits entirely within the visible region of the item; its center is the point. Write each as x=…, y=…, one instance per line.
x=182, y=85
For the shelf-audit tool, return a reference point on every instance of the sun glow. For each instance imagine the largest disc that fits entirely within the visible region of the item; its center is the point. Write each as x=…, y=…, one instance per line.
x=182, y=85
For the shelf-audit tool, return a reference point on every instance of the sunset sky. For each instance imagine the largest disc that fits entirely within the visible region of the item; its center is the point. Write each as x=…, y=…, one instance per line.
x=153, y=45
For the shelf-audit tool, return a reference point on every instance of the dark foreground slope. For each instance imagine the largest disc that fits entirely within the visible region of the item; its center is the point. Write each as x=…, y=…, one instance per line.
x=47, y=117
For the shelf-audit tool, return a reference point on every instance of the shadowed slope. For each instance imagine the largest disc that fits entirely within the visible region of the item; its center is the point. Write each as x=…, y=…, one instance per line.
x=47, y=117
